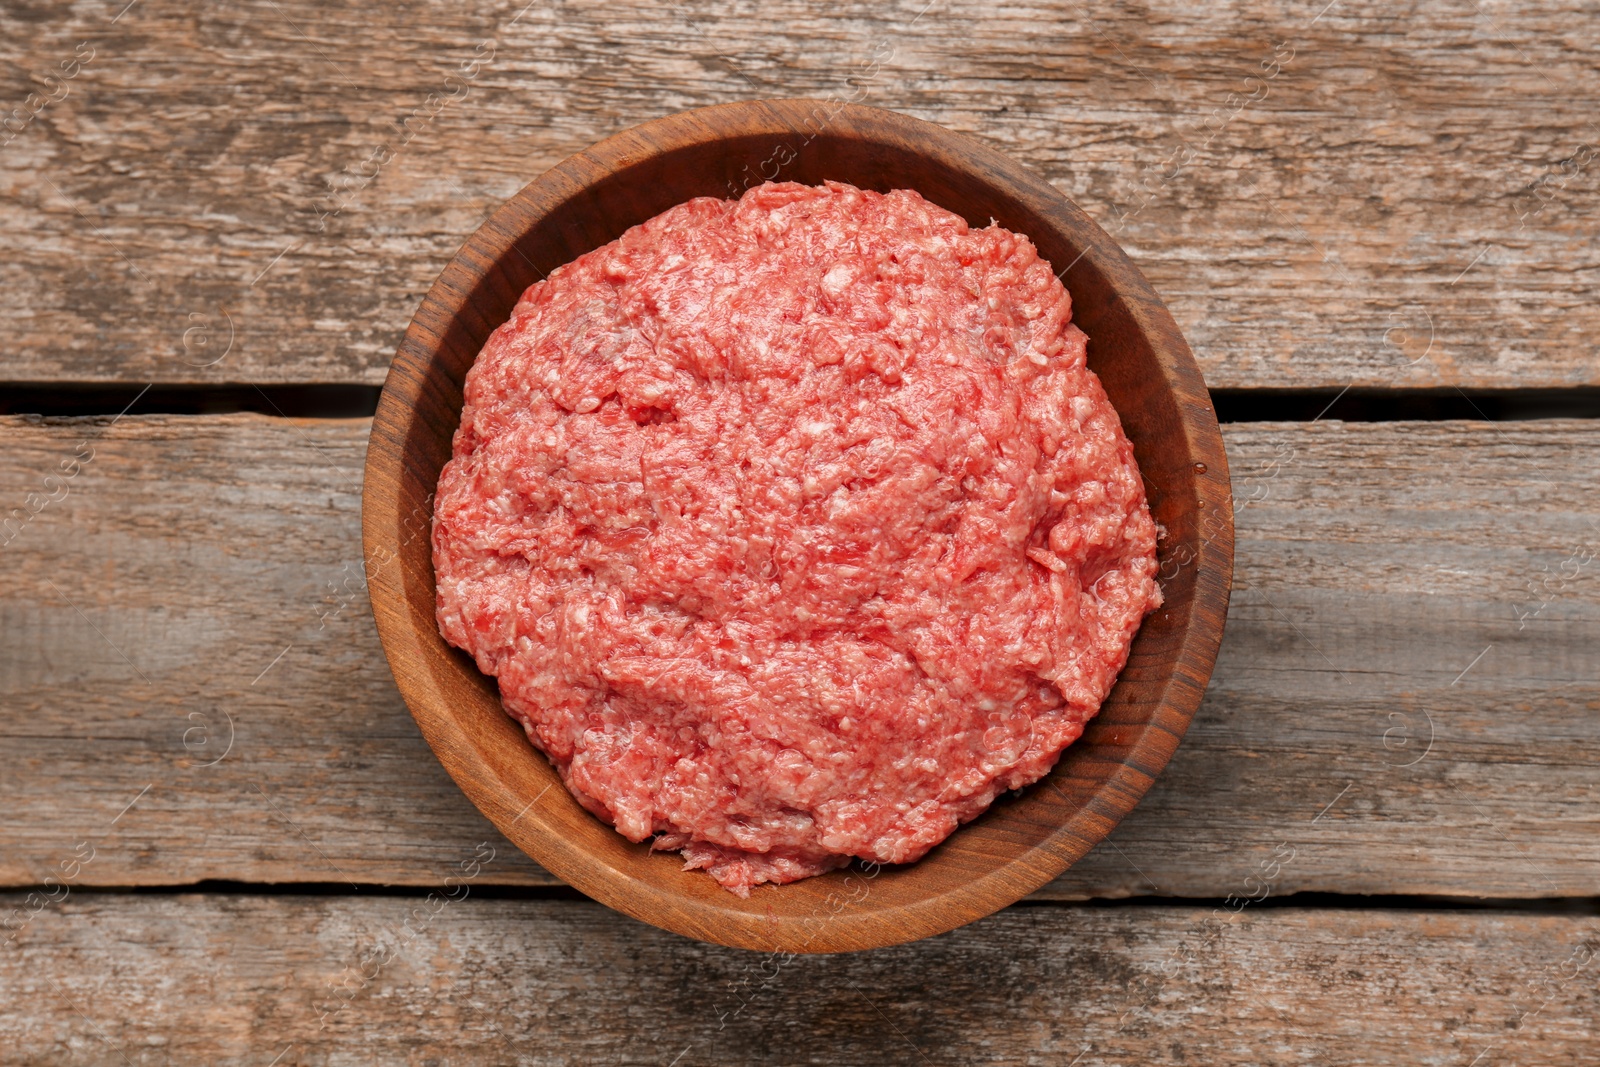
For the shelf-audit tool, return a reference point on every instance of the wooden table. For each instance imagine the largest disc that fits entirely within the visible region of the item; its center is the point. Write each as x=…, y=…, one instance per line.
x=223, y=839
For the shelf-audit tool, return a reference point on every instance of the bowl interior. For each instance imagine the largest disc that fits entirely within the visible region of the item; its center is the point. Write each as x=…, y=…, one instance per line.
x=1134, y=346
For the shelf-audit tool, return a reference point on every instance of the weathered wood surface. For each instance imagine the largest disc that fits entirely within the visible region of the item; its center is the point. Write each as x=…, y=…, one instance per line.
x=261, y=191
x=199, y=580
x=192, y=979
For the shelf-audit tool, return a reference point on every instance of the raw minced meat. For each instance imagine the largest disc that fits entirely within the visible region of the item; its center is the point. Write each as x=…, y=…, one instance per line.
x=794, y=528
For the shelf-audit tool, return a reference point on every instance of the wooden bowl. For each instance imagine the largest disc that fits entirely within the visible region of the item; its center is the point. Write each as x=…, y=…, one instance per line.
x=1135, y=347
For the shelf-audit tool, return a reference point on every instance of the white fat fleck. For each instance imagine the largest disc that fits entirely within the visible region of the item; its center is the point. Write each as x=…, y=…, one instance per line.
x=812, y=428
x=671, y=262
x=987, y=705
x=580, y=614
x=836, y=279
x=1048, y=560
x=1038, y=357
x=586, y=405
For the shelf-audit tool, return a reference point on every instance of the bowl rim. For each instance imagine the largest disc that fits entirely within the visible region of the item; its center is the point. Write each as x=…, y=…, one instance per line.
x=483, y=772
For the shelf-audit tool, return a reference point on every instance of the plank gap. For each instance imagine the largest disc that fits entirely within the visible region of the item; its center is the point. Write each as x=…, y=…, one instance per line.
x=1405, y=405
x=1413, y=902
x=342, y=401
x=324, y=401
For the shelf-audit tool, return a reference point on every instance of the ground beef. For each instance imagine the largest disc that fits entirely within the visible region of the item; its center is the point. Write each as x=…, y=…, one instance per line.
x=794, y=527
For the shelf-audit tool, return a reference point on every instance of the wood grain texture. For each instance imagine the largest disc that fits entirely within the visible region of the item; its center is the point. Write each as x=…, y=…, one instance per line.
x=1375, y=564
x=1379, y=194
x=242, y=979
x=1148, y=373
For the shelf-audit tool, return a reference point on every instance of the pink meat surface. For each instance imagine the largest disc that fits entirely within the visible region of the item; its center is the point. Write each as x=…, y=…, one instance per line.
x=794, y=528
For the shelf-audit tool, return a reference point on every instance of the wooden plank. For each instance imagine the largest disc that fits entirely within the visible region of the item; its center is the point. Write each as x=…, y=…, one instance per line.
x=242, y=979
x=1407, y=685
x=199, y=578
x=1360, y=194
